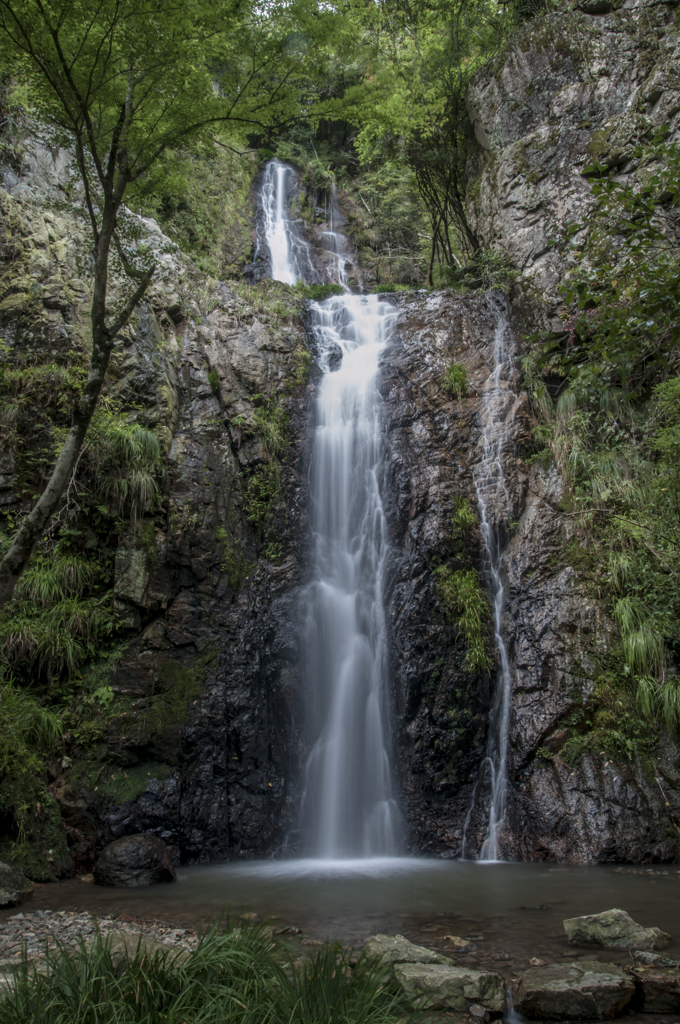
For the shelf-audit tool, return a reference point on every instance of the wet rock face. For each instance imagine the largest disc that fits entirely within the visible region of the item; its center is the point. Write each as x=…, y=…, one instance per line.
x=134, y=861
x=614, y=929
x=14, y=887
x=208, y=675
x=432, y=441
x=589, y=990
x=554, y=628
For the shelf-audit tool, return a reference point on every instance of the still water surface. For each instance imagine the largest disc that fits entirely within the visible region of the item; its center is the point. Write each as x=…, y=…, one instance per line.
x=516, y=909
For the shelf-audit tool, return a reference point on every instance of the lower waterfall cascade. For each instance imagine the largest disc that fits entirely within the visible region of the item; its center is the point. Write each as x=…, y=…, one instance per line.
x=348, y=807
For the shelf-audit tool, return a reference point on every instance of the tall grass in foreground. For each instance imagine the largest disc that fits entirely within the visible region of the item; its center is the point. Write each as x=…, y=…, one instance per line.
x=233, y=977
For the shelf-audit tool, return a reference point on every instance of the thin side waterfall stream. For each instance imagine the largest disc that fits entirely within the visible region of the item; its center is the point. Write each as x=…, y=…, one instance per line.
x=499, y=404
x=348, y=804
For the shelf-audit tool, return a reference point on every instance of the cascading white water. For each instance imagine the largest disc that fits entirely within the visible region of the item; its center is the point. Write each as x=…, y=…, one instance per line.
x=499, y=404
x=348, y=805
x=288, y=253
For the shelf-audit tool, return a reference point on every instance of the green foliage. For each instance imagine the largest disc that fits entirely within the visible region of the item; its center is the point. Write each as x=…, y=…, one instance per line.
x=456, y=380
x=206, y=208
x=50, y=627
x=30, y=735
x=317, y=292
x=610, y=723
x=270, y=423
x=410, y=105
x=234, y=975
x=464, y=518
x=388, y=223
x=214, y=381
x=543, y=754
x=123, y=460
x=461, y=593
x=124, y=785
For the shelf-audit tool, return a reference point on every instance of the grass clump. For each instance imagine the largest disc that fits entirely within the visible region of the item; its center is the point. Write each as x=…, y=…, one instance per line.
x=456, y=380
x=462, y=595
x=236, y=975
x=317, y=292
x=30, y=735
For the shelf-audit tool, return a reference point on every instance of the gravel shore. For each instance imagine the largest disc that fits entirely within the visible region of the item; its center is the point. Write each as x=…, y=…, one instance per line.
x=35, y=932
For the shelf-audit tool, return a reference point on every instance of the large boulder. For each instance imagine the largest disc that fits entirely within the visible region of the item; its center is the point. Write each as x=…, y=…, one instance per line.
x=613, y=929
x=439, y=987
x=660, y=987
x=588, y=990
x=134, y=861
x=15, y=888
x=395, y=949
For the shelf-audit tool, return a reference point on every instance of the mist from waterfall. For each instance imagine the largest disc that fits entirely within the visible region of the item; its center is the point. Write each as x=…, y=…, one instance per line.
x=348, y=806
x=499, y=404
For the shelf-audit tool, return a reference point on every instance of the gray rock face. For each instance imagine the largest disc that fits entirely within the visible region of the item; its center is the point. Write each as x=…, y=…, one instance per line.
x=134, y=861
x=588, y=990
x=395, y=949
x=643, y=958
x=434, y=986
x=613, y=929
x=660, y=988
x=14, y=887
x=570, y=91
x=554, y=627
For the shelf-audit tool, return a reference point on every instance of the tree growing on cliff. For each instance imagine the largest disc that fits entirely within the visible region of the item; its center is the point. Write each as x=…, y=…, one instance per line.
x=410, y=107
x=126, y=84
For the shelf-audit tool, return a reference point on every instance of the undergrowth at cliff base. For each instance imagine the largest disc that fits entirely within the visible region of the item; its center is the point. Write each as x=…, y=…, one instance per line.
x=238, y=975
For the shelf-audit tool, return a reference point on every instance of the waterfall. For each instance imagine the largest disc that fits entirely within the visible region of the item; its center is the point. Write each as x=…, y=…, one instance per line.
x=499, y=404
x=348, y=804
x=287, y=253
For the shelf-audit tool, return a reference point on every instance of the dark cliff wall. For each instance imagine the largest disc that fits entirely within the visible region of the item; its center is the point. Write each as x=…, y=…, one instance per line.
x=568, y=90
x=556, y=630
x=184, y=721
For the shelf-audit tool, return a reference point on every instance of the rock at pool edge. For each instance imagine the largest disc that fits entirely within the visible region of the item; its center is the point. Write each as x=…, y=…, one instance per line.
x=588, y=990
x=613, y=929
x=134, y=861
x=15, y=888
x=438, y=987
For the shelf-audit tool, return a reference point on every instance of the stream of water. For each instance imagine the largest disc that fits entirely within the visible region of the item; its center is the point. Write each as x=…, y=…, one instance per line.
x=348, y=805
x=499, y=404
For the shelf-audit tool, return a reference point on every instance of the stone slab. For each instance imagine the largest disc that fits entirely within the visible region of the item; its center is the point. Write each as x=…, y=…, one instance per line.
x=588, y=990
x=660, y=988
x=438, y=987
x=396, y=949
x=613, y=929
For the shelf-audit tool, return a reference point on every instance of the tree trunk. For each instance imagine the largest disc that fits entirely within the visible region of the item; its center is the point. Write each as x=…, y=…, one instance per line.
x=32, y=528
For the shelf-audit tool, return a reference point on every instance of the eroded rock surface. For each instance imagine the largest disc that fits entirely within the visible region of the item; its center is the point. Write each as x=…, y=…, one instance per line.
x=134, y=861
x=555, y=626
x=434, y=986
x=15, y=889
x=570, y=90
x=613, y=929
x=588, y=990
x=395, y=949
